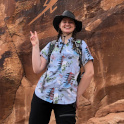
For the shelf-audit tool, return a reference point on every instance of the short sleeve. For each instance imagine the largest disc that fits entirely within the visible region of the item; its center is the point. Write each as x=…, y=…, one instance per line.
x=86, y=54
x=44, y=51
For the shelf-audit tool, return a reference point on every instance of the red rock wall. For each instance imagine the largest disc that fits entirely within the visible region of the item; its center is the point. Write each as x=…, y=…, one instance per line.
x=103, y=30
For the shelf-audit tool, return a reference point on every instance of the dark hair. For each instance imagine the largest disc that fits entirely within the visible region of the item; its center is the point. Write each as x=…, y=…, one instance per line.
x=59, y=34
x=74, y=36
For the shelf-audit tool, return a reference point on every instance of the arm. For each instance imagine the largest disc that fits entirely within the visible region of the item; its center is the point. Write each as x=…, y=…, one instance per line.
x=85, y=80
x=38, y=62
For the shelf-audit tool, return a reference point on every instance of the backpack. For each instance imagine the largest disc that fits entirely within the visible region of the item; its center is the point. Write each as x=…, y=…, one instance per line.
x=78, y=49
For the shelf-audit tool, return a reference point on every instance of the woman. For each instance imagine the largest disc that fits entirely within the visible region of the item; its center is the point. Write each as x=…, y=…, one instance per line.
x=57, y=88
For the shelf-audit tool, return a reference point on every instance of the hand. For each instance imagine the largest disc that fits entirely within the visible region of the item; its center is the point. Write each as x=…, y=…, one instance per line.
x=34, y=38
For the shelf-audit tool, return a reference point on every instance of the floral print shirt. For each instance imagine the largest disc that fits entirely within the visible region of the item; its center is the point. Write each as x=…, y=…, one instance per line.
x=58, y=84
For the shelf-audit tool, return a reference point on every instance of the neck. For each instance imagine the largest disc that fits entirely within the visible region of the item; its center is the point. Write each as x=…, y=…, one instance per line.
x=65, y=37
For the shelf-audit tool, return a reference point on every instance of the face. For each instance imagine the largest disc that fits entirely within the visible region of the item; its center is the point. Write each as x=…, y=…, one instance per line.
x=67, y=25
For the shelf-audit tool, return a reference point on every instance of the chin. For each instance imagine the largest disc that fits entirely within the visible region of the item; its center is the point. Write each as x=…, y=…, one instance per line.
x=68, y=32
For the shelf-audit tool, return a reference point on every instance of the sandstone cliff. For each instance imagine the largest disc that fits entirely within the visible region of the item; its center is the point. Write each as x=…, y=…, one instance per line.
x=103, y=30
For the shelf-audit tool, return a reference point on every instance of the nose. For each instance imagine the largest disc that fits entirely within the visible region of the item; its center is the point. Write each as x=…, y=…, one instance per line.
x=67, y=23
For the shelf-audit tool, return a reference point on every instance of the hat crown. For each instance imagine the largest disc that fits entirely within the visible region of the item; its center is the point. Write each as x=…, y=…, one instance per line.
x=68, y=14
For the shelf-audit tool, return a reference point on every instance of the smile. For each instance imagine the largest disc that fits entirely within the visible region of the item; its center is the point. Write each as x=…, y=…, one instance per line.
x=67, y=27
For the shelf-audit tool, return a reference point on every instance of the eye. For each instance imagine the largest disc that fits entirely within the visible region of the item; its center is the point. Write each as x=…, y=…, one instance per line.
x=70, y=21
x=63, y=21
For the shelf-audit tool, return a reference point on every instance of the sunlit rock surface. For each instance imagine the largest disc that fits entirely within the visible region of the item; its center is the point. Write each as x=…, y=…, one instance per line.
x=103, y=31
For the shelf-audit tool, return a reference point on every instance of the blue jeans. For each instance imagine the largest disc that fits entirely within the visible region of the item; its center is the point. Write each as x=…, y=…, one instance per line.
x=41, y=112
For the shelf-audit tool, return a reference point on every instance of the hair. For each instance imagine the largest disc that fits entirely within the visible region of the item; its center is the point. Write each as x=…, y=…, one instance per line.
x=59, y=34
x=74, y=36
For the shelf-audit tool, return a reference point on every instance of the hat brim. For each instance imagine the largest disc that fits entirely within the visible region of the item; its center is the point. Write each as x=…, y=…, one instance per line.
x=58, y=19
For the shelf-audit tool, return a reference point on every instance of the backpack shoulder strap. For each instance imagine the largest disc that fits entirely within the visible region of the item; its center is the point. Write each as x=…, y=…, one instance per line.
x=78, y=49
x=53, y=42
x=52, y=45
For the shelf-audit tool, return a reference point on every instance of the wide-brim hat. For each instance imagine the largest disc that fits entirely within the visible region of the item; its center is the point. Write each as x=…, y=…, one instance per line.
x=66, y=13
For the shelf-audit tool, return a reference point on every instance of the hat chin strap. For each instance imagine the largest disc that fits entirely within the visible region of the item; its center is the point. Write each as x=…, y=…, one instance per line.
x=64, y=36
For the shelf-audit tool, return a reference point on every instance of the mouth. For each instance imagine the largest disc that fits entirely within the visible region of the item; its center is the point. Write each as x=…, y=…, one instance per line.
x=67, y=27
